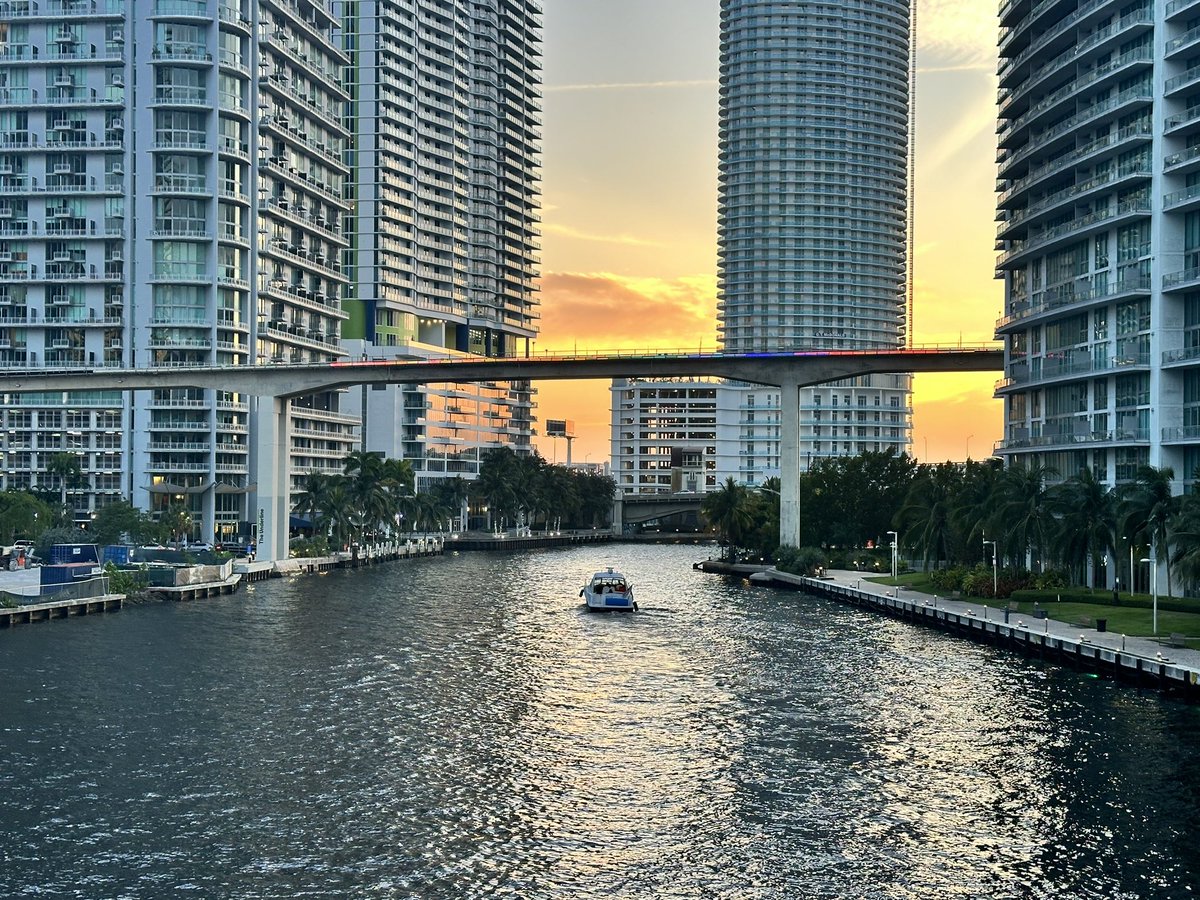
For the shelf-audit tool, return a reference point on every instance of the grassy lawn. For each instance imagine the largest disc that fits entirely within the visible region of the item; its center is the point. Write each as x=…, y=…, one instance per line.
x=1128, y=620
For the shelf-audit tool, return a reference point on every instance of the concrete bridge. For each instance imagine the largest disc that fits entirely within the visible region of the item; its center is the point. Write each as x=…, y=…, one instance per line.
x=275, y=385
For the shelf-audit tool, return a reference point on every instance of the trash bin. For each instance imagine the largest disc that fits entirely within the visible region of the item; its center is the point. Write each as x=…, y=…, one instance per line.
x=1102, y=624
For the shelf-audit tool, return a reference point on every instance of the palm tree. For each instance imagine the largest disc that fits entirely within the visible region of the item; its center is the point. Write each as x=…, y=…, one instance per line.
x=728, y=511
x=1087, y=523
x=340, y=511
x=311, y=499
x=67, y=468
x=1023, y=520
x=926, y=516
x=972, y=512
x=1185, y=539
x=365, y=473
x=495, y=484
x=1148, y=508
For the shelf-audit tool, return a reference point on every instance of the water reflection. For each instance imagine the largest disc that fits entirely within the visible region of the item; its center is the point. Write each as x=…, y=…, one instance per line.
x=462, y=728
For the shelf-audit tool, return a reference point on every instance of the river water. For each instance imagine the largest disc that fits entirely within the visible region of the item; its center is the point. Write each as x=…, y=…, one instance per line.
x=459, y=727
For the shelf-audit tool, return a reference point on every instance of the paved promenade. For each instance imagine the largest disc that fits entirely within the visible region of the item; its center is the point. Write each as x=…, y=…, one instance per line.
x=1141, y=657
x=1145, y=647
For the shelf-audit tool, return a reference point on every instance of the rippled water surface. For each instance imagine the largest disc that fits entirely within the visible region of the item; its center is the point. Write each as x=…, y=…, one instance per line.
x=460, y=727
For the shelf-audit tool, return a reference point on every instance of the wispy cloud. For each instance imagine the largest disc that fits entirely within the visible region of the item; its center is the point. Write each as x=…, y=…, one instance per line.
x=627, y=240
x=629, y=85
x=958, y=30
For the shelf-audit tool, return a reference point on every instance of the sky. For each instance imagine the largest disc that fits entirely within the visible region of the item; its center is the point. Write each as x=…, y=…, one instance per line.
x=629, y=193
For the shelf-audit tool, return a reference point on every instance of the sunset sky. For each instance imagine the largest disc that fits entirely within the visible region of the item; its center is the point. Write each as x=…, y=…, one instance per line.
x=630, y=202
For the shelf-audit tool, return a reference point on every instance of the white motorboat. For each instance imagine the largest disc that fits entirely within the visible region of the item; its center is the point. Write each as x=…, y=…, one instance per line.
x=608, y=590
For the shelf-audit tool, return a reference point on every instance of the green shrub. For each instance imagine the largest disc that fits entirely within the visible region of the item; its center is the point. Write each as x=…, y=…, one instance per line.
x=130, y=582
x=1051, y=579
x=948, y=579
x=799, y=560
x=307, y=547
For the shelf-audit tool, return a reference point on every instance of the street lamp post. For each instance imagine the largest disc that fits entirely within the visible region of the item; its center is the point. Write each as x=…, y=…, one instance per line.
x=1132, y=577
x=1153, y=561
x=895, y=540
x=995, y=579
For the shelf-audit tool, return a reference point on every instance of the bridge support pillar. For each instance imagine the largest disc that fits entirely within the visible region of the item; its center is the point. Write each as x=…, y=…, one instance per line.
x=789, y=464
x=271, y=466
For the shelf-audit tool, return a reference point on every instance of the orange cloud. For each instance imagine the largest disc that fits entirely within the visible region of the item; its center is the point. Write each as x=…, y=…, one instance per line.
x=603, y=311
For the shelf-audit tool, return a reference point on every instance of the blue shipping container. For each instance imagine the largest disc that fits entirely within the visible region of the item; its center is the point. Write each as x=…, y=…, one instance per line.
x=61, y=554
x=118, y=554
x=54, y=577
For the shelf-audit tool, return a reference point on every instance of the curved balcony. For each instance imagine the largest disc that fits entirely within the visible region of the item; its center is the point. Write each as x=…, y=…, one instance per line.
x=1073, y=92
x=1050, y=441
x=1045, y=142
x=1046, y=206
x=1093, y=47
x=1067, y=299
x=1084, y=226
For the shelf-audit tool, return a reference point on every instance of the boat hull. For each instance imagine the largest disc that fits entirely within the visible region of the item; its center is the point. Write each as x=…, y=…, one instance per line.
x=614, y=602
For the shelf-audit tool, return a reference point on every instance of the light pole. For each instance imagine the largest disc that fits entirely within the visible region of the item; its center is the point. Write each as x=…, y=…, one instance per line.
x=1153, y=561
x=1132, y=577
x=895, y=539
x=995, y=580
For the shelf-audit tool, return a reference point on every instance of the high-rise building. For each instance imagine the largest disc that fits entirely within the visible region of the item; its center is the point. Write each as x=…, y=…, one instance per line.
x=814, y=130
x=1099, y=228
x=172, y=184
x=446, y=116
x=176, y=181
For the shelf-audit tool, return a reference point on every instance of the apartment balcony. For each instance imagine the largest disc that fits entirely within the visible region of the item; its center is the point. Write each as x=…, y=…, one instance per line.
x=1046, y=142
x=1181, y=434
x=1014, y=132
x=1183, y=280
x=1177, y=8
x=1063, y=28
x=233, y=19
x=180, y=95
x=1046, y=207
x=1067, y=299
x=1182, y=123
x=180, y=184
x=1067, y=366
x=181, y=52
x=1084, y=226
x=1182, y=357
x=1092, y=438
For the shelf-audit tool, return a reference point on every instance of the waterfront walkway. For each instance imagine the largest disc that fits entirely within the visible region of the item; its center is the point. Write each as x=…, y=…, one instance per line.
x=1144, y=658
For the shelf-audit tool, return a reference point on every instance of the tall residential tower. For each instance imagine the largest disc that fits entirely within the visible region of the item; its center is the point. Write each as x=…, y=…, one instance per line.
x=446, y=114
x=171, y=194
x=814, y=134
x=1099, y=233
